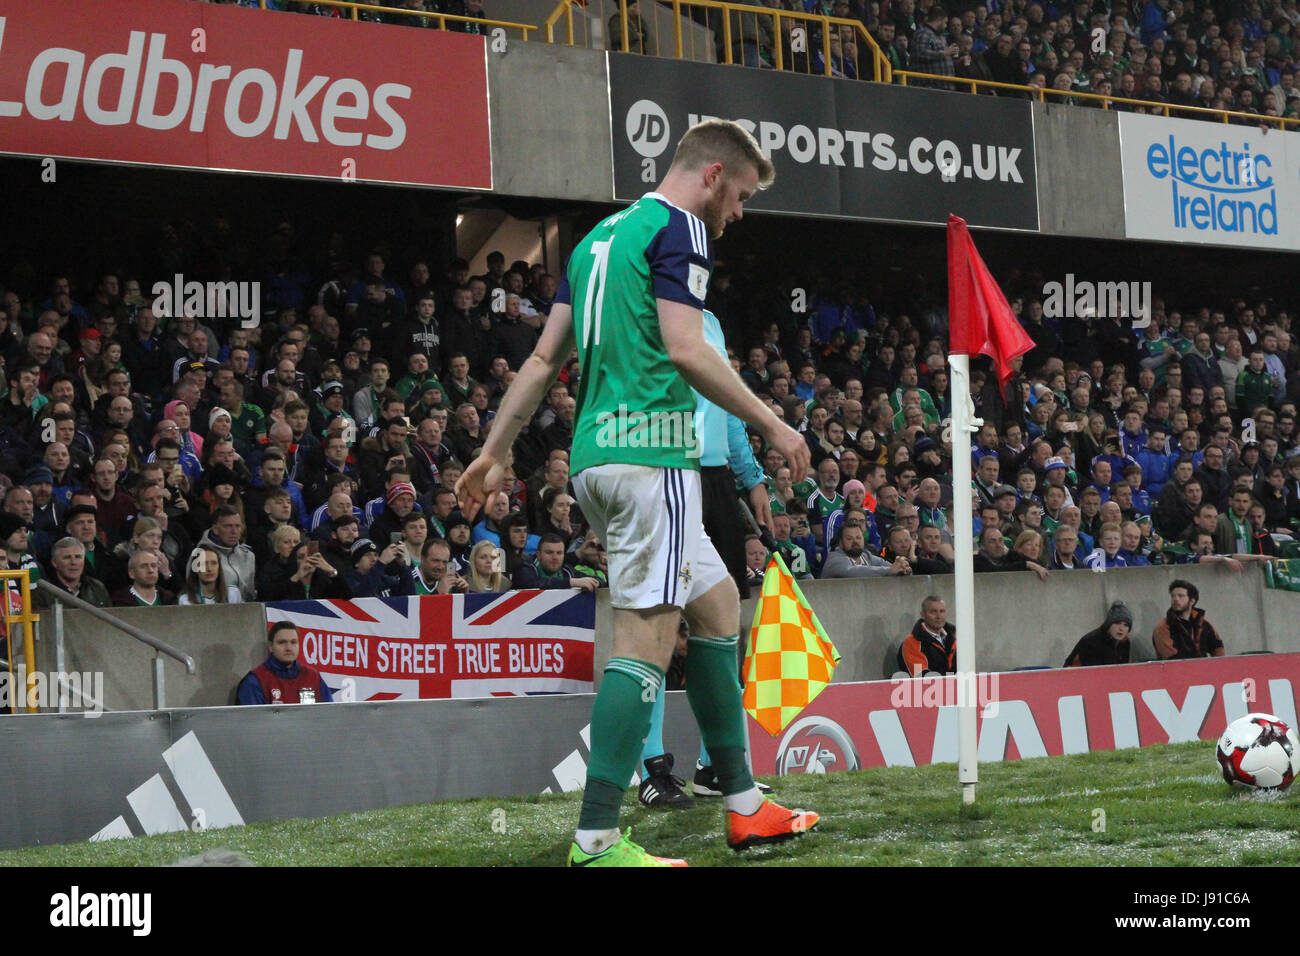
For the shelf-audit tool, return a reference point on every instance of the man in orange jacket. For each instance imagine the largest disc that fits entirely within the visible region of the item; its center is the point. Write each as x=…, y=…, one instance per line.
x=1184, y=632
x=931, y=648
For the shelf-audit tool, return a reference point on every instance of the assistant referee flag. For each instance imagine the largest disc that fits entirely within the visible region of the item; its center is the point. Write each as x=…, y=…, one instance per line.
x=789, y=659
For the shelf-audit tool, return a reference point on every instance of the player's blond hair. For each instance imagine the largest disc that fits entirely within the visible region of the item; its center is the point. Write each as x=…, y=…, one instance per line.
x=725, y=142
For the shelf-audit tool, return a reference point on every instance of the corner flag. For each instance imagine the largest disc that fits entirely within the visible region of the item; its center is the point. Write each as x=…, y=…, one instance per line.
x=789, y=659
x=979, y=320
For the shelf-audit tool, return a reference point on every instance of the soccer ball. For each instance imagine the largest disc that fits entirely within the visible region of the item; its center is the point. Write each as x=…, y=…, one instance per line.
x=1260, y=751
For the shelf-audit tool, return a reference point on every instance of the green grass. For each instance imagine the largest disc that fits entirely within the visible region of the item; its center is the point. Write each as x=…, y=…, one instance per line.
x=1163, y=806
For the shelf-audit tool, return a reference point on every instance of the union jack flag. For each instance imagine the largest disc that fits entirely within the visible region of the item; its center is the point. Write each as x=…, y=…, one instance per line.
x=458, y=645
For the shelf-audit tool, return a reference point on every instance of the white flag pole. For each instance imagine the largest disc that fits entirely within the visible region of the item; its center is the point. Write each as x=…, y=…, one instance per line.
x=964, y=423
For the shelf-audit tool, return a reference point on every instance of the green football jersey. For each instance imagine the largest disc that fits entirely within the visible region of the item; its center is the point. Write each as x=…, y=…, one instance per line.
x=634, y=407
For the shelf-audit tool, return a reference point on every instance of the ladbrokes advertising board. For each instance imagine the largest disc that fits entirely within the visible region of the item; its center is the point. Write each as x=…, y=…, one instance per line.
x=841, y=148
x=200, y=85
x=1192, y=181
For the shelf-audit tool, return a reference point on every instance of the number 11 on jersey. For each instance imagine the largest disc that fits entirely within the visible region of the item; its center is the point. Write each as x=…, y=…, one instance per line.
x=595, y=292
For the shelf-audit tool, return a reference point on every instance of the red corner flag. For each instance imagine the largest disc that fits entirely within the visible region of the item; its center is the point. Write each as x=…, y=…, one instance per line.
x=979, y=320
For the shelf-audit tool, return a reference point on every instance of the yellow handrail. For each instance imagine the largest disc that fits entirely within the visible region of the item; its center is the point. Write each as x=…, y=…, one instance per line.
x=813, y=23
x=26, y=618
x=442, y=18
x=1042, y=93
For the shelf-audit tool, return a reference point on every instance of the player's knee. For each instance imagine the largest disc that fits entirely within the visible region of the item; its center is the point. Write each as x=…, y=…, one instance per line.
x=717, y=612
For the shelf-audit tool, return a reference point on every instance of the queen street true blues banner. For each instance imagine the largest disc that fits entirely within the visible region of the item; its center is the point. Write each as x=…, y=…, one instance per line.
x=455, y=645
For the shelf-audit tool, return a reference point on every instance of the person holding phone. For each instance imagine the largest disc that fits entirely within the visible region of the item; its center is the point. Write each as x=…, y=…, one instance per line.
x=377, y=573
x=436, y=573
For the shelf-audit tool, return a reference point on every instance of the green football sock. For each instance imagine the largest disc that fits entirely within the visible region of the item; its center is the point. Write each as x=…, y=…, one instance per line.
x=620, y=721
x=714, y=694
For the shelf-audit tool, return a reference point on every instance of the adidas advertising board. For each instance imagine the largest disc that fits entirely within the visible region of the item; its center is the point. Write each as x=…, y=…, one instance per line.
x=841, y=148
x=1225, y=185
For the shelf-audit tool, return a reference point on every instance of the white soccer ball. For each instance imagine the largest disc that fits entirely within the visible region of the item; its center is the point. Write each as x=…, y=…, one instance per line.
x=1259, y=751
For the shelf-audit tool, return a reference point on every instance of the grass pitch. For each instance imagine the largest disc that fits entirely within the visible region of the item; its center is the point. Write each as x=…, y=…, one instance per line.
x=1152, y=806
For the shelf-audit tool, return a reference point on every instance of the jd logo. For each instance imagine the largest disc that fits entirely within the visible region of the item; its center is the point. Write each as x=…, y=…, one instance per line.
x=647, y=128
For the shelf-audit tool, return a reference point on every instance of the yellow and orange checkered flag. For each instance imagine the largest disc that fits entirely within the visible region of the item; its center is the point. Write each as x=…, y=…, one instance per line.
x=789, y=659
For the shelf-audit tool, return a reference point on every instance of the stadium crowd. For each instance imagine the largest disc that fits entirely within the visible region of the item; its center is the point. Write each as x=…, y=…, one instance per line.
x=1237, y=55
x=148, y=460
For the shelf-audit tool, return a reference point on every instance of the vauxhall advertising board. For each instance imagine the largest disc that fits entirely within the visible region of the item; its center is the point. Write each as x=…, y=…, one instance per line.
x=841, y=148
x=202, y=85
x=1193, y=181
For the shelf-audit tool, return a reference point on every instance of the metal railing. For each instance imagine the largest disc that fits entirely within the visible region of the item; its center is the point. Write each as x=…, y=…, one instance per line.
x=1106, y=102
x=407, y=14
x=66, y=597
x=734, y=26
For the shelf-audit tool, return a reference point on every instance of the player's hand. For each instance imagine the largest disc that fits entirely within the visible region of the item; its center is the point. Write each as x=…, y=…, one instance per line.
x=761, y=503
x=790, y=444
x=484, y=476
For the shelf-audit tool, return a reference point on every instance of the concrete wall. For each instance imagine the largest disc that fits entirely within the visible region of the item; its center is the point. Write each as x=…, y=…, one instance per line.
x=226, y=642
x=1022, y=622
x=550, y=122
x=1080, y=186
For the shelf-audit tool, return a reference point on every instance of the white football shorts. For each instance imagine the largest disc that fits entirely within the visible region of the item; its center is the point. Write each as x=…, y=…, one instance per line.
x=651, y=522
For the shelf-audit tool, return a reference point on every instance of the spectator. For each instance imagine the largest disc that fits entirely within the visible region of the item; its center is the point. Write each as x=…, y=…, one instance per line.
x=295, y=572
x=1215, y=481
x=14, y=539
x=517, y=543
x=1107, y=555
x=489, y=529
x=486, y=569
x=638, y=36
x=993, y=555
x=435, y=574
x=281, y=679
x=1108, y=644
x=1232, y=530
x=852, y=560
x=205, y=580
x=371, y=574
x=415, y=531
x=1185, y=633
x=548, y=570
x=143, y=570
x=931, y=647
x=80, y=522
x=755, y=560
x=392, y=509
x=557, y=506
x=589, y=559
x=931, y=51
x=225, y=538
x=68, y=562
